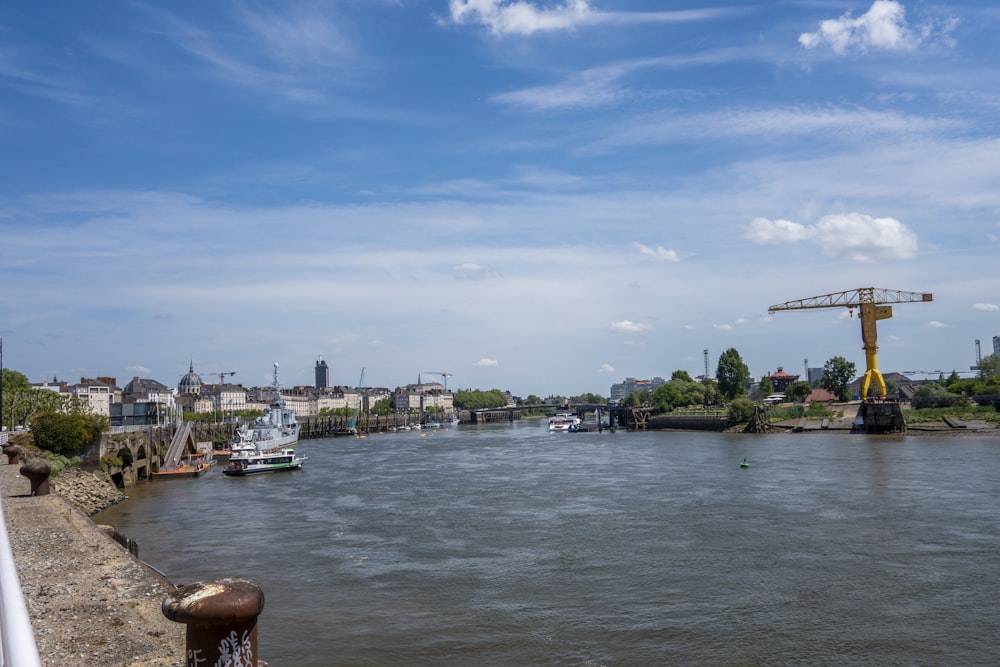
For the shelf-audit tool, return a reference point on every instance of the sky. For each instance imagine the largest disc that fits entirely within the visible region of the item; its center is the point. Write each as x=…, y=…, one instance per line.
x=540, y=196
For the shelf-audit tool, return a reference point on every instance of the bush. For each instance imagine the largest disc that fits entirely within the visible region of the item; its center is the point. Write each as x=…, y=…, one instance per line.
x=740, y=410
x=57, y=432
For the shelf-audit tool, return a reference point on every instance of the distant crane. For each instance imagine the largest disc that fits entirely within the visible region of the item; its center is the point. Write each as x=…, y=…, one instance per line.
x=444, y=376
x=222, y=376
x=873, y=304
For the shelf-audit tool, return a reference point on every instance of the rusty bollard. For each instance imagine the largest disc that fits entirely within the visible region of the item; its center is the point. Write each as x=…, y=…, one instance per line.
x=38, y=474
x=221, y=619
x=13, y=453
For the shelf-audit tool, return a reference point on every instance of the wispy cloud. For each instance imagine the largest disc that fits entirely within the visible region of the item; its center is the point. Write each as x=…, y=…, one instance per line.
x=659, y=252
x=291, y=52
x=608, y=85
x=474, y=271
x=882, y=27
x=674, y=127
x=986, y=307
x=628, y=326
x=606, y=369
x=854, y=236
x=486, y=363
x=935, y=324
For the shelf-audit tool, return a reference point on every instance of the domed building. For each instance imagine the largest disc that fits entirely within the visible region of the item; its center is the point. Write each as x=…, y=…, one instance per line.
x=191, y=382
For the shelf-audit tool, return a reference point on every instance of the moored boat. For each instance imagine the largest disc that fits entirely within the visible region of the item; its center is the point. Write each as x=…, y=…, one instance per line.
x=276, y=428
x=186, y=469
x=564, y=421
x=274, y=460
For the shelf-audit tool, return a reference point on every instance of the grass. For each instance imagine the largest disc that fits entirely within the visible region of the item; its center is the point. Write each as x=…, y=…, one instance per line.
x=924, y=415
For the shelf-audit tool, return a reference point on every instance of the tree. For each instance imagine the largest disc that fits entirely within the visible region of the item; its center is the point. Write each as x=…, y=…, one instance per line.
x=797, y=391
x=837, y=374
x=766, y=387
x=677, y=393
x=732, y=374
x=681, y=375
x=588, y=399
x=712, y=393
x=989, y=366
x=478, y=399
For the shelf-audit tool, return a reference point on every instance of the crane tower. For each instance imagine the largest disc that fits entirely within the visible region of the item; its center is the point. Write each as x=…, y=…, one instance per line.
x=873, y=304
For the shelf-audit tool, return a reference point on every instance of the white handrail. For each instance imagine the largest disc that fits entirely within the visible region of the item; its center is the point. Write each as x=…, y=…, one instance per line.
x=17, y=639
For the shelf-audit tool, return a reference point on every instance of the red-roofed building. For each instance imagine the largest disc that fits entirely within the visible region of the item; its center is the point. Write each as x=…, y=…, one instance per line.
x=782, y=380
x=820, y=396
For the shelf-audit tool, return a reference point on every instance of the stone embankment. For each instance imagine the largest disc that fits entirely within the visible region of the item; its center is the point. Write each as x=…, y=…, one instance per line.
x=90, y=492
x=89, y=600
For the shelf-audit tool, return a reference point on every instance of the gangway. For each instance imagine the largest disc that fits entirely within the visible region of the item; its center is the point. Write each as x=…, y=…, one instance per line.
x=182, y=438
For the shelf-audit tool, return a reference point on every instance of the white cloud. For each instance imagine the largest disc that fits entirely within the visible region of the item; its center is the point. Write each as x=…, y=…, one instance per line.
x=883, y=26
x=628, y=326
x=659, y=252
x=934, y=324
x=519, y=17
x=854, y=236
x=724, y=327
x=606, y=369
x=486, y=363
x=138, y=369
x=764, y=231
x=987, y=307
x=863, y=238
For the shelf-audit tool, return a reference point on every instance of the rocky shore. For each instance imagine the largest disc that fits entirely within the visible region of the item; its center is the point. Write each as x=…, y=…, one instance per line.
x=89, y=600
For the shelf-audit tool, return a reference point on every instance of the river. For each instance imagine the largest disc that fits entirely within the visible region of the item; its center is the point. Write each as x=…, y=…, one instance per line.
x=510, y=545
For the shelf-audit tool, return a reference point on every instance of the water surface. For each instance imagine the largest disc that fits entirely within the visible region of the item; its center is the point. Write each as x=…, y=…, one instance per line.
x=510, y=545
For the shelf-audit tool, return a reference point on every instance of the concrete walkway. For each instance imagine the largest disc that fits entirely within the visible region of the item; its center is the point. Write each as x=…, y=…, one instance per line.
x=90, y=601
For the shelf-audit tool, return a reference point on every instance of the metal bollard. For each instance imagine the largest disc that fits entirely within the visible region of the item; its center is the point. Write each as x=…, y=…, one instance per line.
x=13, y=453
x=38, y=474
x=221, y=619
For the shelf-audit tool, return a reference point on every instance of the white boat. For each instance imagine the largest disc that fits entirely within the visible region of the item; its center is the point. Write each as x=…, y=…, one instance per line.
x=564, y=421
x=275, y=429
x=274, y=460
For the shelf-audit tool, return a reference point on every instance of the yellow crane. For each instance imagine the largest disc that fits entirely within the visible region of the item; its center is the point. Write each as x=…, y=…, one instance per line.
x=874, y=304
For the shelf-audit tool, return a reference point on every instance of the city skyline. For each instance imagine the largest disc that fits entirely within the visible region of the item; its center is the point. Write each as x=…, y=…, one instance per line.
x=542, y=197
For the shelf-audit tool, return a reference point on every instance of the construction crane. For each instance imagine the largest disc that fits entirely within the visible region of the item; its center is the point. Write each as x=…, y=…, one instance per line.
x=874, y=305
x=444, y=376
x=222, y=376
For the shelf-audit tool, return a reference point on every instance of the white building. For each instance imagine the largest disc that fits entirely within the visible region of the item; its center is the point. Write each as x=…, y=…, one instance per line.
x=417, y=398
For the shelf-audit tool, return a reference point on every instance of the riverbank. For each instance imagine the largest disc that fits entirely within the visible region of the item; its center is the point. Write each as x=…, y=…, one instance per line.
x=89, y=600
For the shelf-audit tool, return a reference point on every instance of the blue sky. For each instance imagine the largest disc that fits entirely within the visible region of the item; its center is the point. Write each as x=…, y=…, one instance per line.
x=545, y=197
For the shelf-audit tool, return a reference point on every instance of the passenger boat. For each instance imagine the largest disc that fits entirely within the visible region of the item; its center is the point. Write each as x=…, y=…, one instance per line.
x=275, y=460
x=276, y=428
x=564, y=421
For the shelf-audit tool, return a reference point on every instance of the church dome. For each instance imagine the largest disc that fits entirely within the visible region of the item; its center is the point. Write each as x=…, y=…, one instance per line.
x=190, y=383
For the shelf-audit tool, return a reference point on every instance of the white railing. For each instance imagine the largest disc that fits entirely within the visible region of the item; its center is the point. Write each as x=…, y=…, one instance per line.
x=17, y=639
